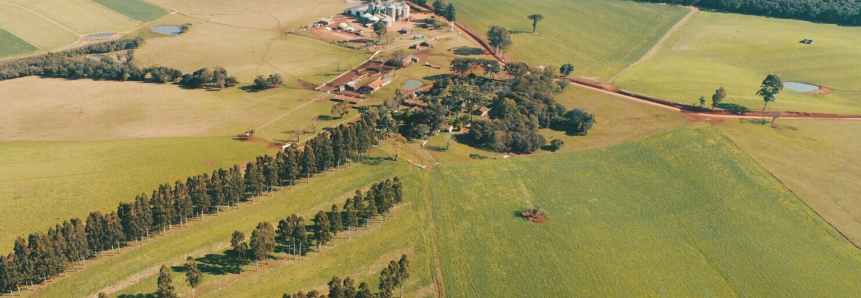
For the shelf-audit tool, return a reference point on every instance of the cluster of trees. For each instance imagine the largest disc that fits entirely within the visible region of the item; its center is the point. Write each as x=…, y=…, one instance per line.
x=204, y=77
x=422, y=122
x=499, y=39
x=518, y=114
x=843, y=12
x=274, y=80
x=71, y=65
x=292, y=233
x=43, y=256
x=395, y=275
x=445, y=9
x=165, y=281
x=460, y=66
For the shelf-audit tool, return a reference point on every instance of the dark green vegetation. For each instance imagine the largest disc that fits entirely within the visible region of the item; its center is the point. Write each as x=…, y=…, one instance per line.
x=393, y=276
x=135, y=9
x=12, y=45
x=684, y=213
x=844, y=12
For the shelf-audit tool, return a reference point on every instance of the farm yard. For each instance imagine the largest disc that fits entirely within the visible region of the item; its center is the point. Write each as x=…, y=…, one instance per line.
x=626, y=225
x=736, y=52
x=601, y=37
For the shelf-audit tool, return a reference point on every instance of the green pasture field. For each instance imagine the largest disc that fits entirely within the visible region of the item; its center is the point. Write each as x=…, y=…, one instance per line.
x=599, y=37
x=131, y=272
x=81, y=16
x=33, y=28
x=44, y=183
x=739, y=51
x=683, y=213
x=246, y=53
x=265, y=14
x=136, y=9
x=820, y=161
x=38, y=109
x=12, y=45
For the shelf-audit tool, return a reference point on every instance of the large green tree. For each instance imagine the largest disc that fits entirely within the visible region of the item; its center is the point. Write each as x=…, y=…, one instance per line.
x=192, y=275
x=718, y=97
x=165, y=283
x=262, y=241
x=535, y=19
x=499, y=39
x=322, y=229
x=770, y=87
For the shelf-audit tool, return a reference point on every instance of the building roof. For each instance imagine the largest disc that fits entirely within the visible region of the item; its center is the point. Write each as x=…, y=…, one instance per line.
x=379, y=83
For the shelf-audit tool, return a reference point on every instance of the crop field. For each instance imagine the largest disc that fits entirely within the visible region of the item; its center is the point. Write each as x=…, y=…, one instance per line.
x=738, y=51
x=246, y=53
x=820, y=161
x=652, y=217
x=135, y=9
x=84, y=110
x=33, y=28
x=12, y=45
x=599, y=37
x=265, y=14
x=44, y=183
x=361, y=257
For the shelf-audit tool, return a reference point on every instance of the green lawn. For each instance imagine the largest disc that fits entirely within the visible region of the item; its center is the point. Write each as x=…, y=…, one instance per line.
x=12, y=45
x=820, y=161
x=599, y=37
x=681, y=214
x=135, y=9
x=738, y=51
x=44, y=183
x=362, y=257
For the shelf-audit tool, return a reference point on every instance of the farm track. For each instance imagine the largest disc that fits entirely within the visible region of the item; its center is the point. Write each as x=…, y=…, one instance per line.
x=440, y=285
x=658, y=44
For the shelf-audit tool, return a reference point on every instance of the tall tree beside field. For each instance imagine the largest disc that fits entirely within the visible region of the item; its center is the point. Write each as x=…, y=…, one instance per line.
x=263, y=241
x=95, y=231
x=380, y=29
x=240, y=247
x=192, y=275
x=499, y=39
x=336, y=224
x=340, y=109
x=770, y=87
x=322, y=229
x=403, y=272
x=535, y=19
x=439, y=7
x=450, y=13
x=254, y=179
x=718, y=97
x=702, y=101
x=165, y=283
x=364, y=291
x=76, y=240
x=566, y=69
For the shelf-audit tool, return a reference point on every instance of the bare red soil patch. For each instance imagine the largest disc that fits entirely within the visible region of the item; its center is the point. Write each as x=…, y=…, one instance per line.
x=538, y=219
x=275, y=145
x=249, y=139
x=306, y=84
x=775, y=126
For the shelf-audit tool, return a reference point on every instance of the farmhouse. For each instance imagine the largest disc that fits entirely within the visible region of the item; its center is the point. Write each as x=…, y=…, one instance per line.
x=481, y=112
x=388, y=13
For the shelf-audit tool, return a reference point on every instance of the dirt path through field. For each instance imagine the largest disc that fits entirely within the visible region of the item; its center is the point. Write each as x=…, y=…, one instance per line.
x=658, y=44
x=289, y=112
x=440, y=285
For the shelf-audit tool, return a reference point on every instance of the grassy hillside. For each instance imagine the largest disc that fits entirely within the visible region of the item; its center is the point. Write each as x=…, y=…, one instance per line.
x=131, y=272
x=264, y=14
x=738, y=51
x=84, y=110
x=135, y=9
x=12, y=45
x=44, y=183
x=684, y=213
x=820, y=161
x=33, y=28
x=600, y=37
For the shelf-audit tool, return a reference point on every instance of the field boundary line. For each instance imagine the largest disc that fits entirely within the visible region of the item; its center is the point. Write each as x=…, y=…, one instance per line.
x=856, y=245
x=658, y=44
x=290, y=112
x=440, y=284
x=44, y=17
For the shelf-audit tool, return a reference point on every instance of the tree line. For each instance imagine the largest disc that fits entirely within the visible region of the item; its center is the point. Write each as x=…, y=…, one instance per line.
x=71, y=64
x=44, y=255
x=395, y=275
x=842, y=12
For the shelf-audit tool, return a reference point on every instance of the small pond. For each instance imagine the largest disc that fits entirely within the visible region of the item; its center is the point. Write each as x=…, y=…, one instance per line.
x=412, y=85
x=169, y=30
x=100, y=35
x=800, y=87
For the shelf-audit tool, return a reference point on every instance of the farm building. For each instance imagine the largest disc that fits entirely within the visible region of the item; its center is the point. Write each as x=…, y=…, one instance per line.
x=481, y=112
x=352, y=85
x=375, y=85
x=388, y=13
x=426, y=43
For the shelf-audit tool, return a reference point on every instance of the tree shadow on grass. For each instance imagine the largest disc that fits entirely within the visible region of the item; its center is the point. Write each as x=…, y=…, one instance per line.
x=215, y=264
x=150, y=295
x=373, y=161
x=327, y=118
x=733, y=108
x=468, y=51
